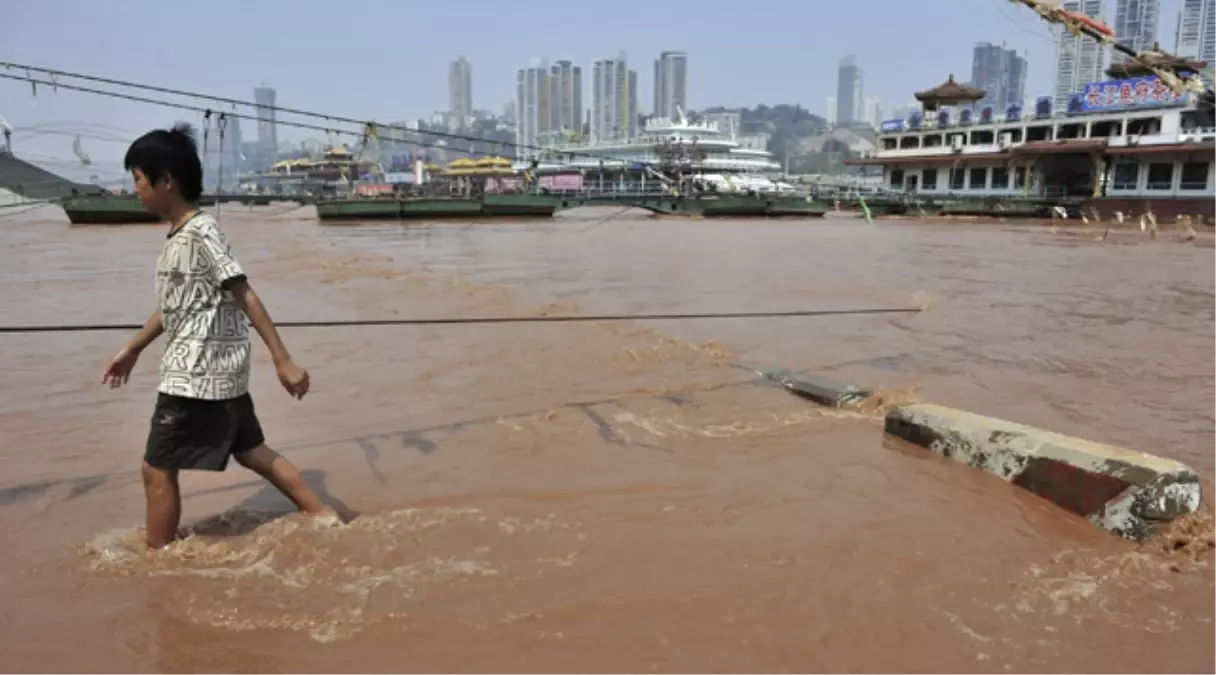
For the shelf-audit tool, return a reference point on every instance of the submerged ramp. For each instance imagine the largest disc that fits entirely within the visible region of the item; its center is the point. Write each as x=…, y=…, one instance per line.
x=1123, y=491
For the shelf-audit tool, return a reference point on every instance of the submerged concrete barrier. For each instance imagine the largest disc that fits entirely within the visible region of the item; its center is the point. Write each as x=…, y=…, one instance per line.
x=1126, y=492
x=818, y=389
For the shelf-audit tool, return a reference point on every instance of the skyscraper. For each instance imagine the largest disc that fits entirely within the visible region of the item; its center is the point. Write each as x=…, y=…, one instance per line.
x=1136, y=24
x=670, y=83
x=872, y=114
x=1195, y=37
x=848, y=92
x=614, y=100
x=529, y=83
x=1000, y=72
x=565, y=97
x=460, y=89
x=268, y=139
x=1079, y=58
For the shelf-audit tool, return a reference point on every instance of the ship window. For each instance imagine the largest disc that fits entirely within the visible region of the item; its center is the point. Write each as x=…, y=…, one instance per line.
x=1160, y=176
x=1019, y=177
x=1144, y=126
x=897, y=178
x=1000, y=178
x=928, y=179
x=1071, y=131
x=889, y=143
x=1039, y=133
x=934, y=141
x=1195, y=175
x=958, y=179
x=979, y=178
x=981, y=138
x=1106, y=129
x=1126, y=176
x=909, y=142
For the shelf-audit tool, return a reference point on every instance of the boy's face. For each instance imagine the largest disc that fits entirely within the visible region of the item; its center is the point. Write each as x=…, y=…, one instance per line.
x=154, y=197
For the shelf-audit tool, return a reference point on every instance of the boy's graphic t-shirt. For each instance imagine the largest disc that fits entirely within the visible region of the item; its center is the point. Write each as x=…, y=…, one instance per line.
x=207, y=333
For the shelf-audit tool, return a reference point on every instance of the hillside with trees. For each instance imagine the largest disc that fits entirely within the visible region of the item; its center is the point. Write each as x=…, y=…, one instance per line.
x=811, y=145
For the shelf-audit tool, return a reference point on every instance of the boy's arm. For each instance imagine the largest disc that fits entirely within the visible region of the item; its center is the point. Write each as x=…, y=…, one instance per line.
x=226, y=272
x=249, y=301
x=293, y=378
x=148, y=334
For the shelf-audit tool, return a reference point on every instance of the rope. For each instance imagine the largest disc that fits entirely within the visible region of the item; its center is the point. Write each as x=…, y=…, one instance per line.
x=200, y=109
x=276, y=109
x=222, y=123
x=92, y=328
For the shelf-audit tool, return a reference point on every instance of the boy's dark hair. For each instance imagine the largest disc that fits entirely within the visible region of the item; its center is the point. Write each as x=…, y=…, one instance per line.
x=169, y=152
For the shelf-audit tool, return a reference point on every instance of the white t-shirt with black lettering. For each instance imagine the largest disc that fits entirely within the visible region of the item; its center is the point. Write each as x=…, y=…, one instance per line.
x=207, y=333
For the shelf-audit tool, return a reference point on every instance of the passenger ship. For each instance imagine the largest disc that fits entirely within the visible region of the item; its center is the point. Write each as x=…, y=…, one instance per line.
x=1127, y=145
x=672, y=145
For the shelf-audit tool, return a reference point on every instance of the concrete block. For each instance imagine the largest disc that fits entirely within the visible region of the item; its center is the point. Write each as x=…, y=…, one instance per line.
x=817, y=389
x=1123, y=491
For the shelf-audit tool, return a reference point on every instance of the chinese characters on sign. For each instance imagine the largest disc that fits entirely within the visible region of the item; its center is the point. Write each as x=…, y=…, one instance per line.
x=1137, y=91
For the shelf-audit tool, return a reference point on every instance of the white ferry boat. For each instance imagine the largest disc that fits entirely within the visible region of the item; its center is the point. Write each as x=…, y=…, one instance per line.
x=700, y=150
x=1127, y=145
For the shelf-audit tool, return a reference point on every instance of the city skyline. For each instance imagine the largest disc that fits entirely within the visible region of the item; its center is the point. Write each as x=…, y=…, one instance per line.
x=745, y=75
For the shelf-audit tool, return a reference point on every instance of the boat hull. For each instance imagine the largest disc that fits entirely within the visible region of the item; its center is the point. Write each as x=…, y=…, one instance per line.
x=107, y=210
x=492, y=206
x=718, y=206
x=544, y=206
x=518, y=206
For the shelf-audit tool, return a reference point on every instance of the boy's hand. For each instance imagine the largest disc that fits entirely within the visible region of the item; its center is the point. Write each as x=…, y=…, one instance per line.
x=293, y=378
x=118, y=371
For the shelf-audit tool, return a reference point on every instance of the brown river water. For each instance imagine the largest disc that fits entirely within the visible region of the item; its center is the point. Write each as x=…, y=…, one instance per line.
x=613, y=496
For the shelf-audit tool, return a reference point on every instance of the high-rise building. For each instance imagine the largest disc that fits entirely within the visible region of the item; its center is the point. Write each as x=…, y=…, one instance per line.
x=1136, y=24
x=460, y=89
x=871, y=112
x=1195, y=37
x=268, y=140
x=529, y=83
x=565, y=98
x=670, y=83
x=849, y=99
x=830, y=114
x=1079, y=58
x=1000, y=72
x=614, y=100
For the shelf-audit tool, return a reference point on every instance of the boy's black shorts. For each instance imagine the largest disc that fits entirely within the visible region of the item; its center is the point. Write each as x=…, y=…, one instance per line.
x=191, y=433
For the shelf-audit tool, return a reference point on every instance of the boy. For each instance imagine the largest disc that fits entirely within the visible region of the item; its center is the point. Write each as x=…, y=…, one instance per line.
x=203, y=410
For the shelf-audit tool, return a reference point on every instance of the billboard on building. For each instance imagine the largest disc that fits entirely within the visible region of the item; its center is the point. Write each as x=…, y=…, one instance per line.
x=562, y=181
x=1144, y=91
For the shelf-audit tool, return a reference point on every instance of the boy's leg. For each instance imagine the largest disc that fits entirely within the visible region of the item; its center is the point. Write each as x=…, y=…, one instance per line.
x=283, y=475
x=249, y=449
x=164, y=504
x=185, y=434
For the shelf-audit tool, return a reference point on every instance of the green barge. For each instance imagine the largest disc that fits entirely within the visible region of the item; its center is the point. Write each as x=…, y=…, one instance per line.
x=125, y=209
x=412, y=208
x=110, y=209
x=529, y=205
x=106, y=209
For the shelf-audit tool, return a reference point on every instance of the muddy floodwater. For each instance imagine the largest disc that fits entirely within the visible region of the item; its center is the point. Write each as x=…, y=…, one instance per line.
x=612, y=496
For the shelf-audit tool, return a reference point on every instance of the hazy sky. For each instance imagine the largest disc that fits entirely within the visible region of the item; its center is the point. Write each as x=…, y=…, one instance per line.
x=388, y=60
